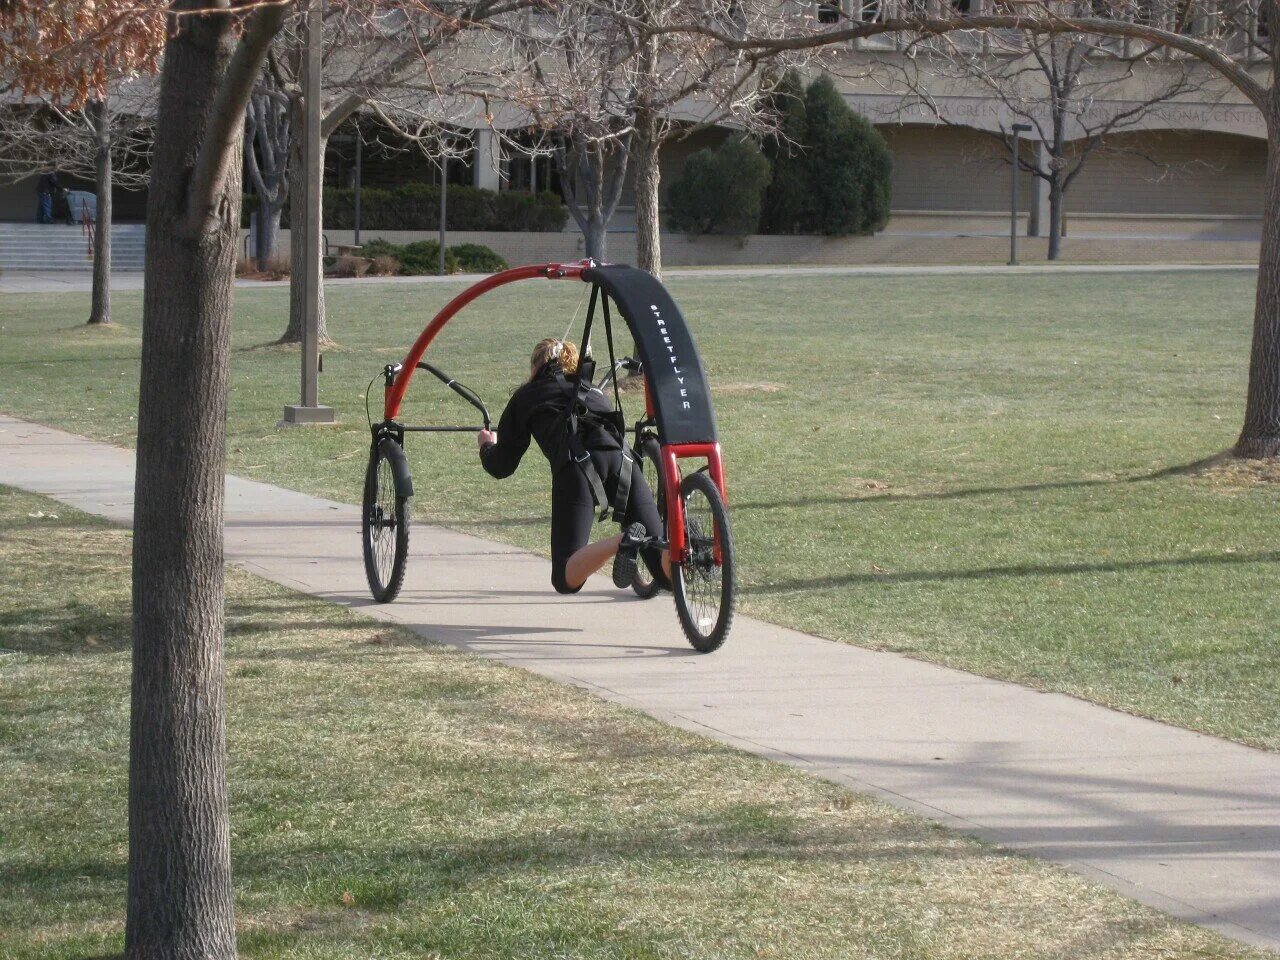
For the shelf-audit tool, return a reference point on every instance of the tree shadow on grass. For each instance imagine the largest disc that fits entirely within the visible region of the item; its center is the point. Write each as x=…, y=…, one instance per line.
x=1183, y=469
x=327, y=889
x=1016, y=570
x=70, y=628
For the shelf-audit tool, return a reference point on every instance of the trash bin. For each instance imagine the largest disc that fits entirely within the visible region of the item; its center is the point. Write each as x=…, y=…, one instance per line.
x=78, y=201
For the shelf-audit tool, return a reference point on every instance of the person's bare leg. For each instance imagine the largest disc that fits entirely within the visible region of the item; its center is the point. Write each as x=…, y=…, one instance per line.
x=587, y=560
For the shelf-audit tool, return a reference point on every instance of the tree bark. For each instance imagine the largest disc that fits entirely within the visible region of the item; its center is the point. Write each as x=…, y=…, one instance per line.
x=648, y=195
x=268, y=232
x=100, y=301
x=594, y=240
x=179, y=890
x=1260, y=435
x=1056, y=198
x=297, y=258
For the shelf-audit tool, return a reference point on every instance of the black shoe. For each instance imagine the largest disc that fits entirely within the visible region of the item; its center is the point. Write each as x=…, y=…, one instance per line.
x=624, y=561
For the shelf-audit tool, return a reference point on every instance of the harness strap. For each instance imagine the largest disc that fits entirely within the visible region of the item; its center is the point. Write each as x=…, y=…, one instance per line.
x=579, y=416
x=622, y=492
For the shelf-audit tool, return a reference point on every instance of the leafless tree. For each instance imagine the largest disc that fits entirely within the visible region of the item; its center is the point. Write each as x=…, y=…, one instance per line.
x=592, y=172
x=179, y=903
x=268, y=137
x=396, y=60
x=614, y=82
x=1235, y=40
x=106, y=140
x=1074, y=90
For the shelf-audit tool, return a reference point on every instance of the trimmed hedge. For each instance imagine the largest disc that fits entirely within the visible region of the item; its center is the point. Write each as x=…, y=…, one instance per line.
x=719, y=190
x=422, y=257
x=416, y=206
x=477, y=258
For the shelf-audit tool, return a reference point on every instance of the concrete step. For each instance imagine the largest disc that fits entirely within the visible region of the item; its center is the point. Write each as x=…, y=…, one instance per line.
x=57, y=246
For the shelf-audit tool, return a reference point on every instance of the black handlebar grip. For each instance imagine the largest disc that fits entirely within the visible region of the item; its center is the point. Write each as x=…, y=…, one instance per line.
x=465, y=392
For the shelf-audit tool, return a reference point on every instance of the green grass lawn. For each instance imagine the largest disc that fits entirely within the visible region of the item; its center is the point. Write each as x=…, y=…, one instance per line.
x=984, y=471
x=393, y=800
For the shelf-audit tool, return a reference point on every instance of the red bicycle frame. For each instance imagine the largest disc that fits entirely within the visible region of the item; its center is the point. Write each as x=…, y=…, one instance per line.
x=548, y=271
x=671, y=453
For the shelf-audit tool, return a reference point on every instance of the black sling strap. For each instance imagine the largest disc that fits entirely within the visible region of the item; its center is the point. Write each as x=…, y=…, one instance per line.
x=580, y=415
x=622, y=493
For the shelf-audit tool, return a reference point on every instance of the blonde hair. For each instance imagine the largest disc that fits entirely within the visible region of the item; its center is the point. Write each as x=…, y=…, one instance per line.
x=563, y=351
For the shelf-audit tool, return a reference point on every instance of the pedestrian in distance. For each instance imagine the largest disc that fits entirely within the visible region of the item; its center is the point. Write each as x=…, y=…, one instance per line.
x=47, y=186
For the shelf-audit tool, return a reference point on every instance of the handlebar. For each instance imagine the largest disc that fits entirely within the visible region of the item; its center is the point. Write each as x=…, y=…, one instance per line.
x=629, y=364
x=465, y=392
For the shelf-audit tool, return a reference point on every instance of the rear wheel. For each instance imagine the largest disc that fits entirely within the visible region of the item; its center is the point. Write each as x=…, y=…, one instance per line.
x=650, y=458
x=704, y=583
x=384, y=528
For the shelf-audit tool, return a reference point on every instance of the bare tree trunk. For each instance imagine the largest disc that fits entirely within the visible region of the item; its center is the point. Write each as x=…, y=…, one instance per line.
x=179, y=894
x=100, y=309
x=1260, y=436
x=1056, y=198
x=648, y=195
x=594, y=239
x=267, y=236
x=591, y=176
x=297, y=258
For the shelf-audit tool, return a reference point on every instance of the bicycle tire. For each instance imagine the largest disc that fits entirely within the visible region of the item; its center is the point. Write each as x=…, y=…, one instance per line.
x=705, y=591
x=385, y=541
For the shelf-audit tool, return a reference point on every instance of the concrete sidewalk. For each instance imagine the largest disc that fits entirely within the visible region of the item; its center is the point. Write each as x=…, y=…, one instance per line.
x=1185, y=822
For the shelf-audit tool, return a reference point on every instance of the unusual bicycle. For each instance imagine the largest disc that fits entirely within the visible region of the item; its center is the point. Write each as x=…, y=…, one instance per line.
x=678, y=425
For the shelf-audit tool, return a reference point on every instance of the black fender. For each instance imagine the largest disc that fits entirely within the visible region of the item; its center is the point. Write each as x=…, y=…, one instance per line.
x=399, y=466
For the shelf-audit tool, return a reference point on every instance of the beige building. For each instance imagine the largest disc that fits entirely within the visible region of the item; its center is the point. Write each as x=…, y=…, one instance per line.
x=1200, y=155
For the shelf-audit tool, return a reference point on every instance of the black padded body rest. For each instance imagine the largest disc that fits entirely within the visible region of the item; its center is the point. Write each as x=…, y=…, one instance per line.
x=681, y=399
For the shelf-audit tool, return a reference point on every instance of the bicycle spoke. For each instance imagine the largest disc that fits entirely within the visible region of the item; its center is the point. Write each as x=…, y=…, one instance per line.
x=702, y=575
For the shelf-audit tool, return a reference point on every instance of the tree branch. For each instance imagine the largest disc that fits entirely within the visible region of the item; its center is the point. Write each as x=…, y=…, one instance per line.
x=213, y=162
x=1048, y=23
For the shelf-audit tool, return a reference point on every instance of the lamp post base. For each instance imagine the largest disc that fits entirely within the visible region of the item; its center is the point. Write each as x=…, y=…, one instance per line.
x=296, y=415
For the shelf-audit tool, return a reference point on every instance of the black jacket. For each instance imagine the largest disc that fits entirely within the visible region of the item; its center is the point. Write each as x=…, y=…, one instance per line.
x=538, y=410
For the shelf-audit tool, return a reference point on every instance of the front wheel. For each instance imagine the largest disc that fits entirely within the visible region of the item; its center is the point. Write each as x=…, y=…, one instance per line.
x=704, y=583
x=384, y=528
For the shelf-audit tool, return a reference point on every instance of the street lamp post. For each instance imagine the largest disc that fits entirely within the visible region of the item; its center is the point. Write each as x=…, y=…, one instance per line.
x=1018, y=130
x=444, y=202
x=308, y=410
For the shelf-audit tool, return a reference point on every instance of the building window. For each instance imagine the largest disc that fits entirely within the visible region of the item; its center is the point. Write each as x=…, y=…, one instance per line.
x=828, y=13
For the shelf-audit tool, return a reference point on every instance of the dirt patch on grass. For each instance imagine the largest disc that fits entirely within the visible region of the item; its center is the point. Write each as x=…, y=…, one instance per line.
x=1227, y=473
x=93, y=333
x=740, y=388
x=276, y=346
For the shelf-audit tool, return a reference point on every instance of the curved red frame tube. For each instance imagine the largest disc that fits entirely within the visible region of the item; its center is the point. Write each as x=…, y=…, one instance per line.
x=671, y=453
x=546, y=271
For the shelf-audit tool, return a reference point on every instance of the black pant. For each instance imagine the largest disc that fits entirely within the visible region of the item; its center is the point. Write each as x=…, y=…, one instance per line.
x=573, y=513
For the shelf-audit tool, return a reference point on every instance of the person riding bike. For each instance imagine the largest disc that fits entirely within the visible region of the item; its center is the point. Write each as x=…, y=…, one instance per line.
x=539, y=409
